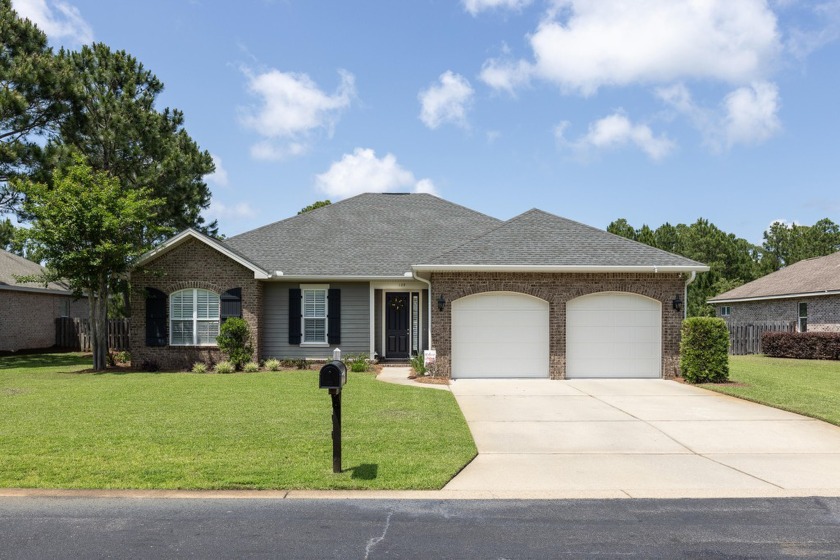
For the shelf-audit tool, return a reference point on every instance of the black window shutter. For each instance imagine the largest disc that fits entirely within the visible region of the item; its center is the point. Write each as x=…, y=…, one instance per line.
x=156, y=332
x=231, y=302
x=334, y=316
x=294, y=316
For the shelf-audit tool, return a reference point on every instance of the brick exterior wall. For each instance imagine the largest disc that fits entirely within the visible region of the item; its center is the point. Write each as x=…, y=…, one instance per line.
x=823, y=312
x=27, y=319
x=190, y=265
x=557, y=289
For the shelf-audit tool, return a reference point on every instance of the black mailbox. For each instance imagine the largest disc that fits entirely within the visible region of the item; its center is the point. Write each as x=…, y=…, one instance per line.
x=333, y=375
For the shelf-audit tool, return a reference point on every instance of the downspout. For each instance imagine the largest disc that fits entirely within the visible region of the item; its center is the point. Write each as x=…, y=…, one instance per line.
x=685, y=294
x=429, y=302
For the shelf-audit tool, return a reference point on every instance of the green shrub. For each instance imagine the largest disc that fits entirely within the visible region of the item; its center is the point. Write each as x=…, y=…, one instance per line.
x=704, y=350
x=803, y=346
x=418, y=365
x=235, y=340
x=251, y=367
x=225, y=367
x=199, y=367
x=122, y=357
x=272, y=364
x=358, y=363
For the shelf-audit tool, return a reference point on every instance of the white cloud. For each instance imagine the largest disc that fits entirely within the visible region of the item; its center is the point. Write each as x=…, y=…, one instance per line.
x=582, y=45
x=747, y=115
x=362, y=171
x=615, y=131
x=220, y=175
x=506, y=74
x=446, y=101
x=291, y=108
x=474, y=7
x=238, y=211
x=751, y=114
x=61, y=21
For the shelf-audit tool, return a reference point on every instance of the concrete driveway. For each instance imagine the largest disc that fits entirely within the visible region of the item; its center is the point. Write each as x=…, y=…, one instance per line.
x=638, y=438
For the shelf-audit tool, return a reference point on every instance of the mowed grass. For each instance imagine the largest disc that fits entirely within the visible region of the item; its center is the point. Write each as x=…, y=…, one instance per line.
x=808, y=387
x=63, y=429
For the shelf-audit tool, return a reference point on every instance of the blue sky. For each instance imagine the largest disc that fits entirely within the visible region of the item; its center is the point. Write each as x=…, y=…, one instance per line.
x=651, y=110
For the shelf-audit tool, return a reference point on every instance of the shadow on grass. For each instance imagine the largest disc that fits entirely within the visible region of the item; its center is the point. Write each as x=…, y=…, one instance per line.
x=47, y=360
x=364, y=472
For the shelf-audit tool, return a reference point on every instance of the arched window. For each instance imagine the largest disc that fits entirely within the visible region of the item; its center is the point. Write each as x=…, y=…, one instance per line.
x=194, y=318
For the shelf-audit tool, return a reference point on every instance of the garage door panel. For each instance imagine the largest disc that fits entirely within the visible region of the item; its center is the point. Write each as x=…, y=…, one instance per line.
x=499, y=334
x=613, y=334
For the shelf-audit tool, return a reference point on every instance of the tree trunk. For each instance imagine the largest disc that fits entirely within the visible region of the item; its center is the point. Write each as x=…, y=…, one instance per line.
x=99, y=326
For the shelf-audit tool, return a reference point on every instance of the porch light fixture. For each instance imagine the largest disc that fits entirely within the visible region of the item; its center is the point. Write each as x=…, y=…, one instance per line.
x=677, y=303
x=441, y=302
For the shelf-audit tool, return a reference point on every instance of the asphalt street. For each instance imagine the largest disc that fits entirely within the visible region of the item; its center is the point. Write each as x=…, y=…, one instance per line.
x=46, y=528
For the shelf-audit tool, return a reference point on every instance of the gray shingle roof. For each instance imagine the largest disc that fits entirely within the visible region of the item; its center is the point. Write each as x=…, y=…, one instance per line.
x=367, y=235
x=812, y=276
x=537, y=238
x=12, y=265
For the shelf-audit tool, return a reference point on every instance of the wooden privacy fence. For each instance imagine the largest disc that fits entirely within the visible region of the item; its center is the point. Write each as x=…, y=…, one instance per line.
x=74, y=333
x=745, y=338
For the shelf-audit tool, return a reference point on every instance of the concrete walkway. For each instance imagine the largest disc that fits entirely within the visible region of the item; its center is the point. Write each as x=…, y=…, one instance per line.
x=638, y=438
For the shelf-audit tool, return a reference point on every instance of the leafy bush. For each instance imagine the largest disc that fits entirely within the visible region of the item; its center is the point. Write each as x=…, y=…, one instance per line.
x=272, y=364
x=199, y=367
x=803, y=346
x=301, y=363
x=704, y=350
x=417, y=364
x=251, y=367
x=122, y=357
x=225, y=367
x=358, y=363
x=235, y=340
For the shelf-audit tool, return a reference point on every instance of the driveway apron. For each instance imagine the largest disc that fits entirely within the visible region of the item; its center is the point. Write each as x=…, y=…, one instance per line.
x=638, y=438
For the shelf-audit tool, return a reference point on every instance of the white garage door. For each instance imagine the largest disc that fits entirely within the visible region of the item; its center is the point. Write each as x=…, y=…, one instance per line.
x=613, y=334
x=499, y=334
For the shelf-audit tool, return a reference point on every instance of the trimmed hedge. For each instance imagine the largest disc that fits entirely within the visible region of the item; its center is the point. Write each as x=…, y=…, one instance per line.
x=704, y=350
x=802, y=346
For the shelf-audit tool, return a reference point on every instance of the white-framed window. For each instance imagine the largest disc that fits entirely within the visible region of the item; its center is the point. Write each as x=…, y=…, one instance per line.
x=802, y=324
x=193, y=318
x=314, y=315
x=725, y=310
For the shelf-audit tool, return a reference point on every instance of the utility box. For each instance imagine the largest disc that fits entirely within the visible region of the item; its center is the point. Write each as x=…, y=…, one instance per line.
x=333, y=375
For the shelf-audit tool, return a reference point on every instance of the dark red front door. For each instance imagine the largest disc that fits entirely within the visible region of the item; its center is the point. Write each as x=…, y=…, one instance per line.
x=397, y=314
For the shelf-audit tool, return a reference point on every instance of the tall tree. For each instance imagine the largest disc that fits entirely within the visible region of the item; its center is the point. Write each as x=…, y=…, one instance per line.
x=786, y=244
x=34, y=85
x=89, y=231
x=315, y=206
x=113, y=122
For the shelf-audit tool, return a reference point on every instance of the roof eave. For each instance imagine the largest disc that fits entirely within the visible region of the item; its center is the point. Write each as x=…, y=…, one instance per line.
x=182, y=237
x=50, y=291
x=777, y=296
x=557, y=268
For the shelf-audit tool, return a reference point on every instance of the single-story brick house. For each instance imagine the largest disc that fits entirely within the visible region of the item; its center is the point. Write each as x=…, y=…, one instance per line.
x=28, y=310
x=805, y=294
x=392, y=275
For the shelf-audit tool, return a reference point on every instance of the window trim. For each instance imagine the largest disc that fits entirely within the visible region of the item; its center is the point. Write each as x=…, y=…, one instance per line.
x=195, y=319
x=800, y=317
x=314, y=287
x=725, y=310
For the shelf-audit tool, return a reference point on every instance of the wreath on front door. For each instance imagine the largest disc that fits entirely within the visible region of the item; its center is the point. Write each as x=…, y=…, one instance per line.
x=397, y=304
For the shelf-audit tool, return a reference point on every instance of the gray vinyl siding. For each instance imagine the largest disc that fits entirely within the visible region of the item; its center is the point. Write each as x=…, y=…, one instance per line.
x=355, y=318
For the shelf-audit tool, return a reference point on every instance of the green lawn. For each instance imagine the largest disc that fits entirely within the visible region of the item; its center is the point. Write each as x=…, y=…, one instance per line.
x=809, y=387
x=63, y=429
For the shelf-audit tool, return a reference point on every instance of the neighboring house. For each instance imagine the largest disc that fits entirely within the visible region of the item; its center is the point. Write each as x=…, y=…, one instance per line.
x=805, y=294
x=28, y=310
x=392, y=275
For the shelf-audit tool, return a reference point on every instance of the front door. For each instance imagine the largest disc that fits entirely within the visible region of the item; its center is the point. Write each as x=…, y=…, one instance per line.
x=397, y=331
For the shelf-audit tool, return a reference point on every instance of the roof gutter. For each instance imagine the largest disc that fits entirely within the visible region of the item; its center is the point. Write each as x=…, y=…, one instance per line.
x=782, y=296
x=655, y=269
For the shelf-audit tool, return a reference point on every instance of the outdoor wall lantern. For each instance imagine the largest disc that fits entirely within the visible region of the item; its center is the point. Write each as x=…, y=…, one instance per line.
x=678, y=303
x=441, y=302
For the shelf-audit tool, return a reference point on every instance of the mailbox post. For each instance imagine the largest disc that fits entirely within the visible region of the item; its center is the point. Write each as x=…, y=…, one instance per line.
x=333, y=376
